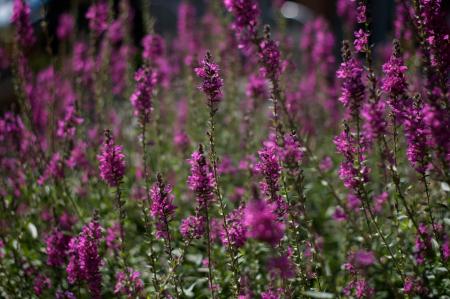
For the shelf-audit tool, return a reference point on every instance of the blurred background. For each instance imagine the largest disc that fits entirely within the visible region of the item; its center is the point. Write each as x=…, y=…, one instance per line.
x=296, y=14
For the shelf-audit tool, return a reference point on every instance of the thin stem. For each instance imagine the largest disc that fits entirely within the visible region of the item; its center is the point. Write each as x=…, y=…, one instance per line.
x=147, y=222
x=176, y=263
x=377, y=227
x=208, y=245
x=213, y=158
x=430, y=213
x=169, y=251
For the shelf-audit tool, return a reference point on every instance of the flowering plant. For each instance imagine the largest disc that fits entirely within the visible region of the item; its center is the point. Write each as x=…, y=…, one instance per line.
x=226, y=161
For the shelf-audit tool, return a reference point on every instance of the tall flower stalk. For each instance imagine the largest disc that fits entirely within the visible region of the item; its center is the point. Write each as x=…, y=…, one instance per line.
x=202, y=182
x=112, y=170
x=394, y=85
x=162, y=209
x=353, y=171
x=141, y=100
x=211, y=86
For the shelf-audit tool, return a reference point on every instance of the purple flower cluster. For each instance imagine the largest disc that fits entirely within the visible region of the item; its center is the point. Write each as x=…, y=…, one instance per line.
x=153, y=45
x=437, y=122
x=270, y=168
x=282, y=266
x=361, y=41
x=348, y=172
x=356, y=266
x=236, y=229
x=394, y=83
x=292, y=152
x=162, y=208
x=414, y=286
x=115, y=32
x=67, y=125
x=416, y=134
x=57, y=244
x=423, y=244
x=113, y=237
x=84, y=259
x=129, y=283
x=270, y=58
x=187, y=40
x=347, y=10
x=256, y=87
x=361, y=17
x=212, y=81
x=201, y=179
x=318, y=42
x=350, y=72
x=111, y=161
x=40, y=284
x=192, y=227
x=245, y=13
x=97, y=16
x=362, y=259
x=375, y=125
x=141, y=99
x=432, y=19
x=66, y=24
x=22, y=22
x=262, y=222
x=54, y=169
x=82, y=64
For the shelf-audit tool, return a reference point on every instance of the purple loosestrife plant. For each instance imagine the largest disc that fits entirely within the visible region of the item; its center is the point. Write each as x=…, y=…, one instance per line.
x=162, y=208
x=97, y=16
x=129, y=284
x=85, y=260
x=212, y=87
x=22, y=23
x=111, y=161
x=352, y=90
x=270, y=208
x=201, y=181
x=192, y=227
x=262, y=222
x=66, y=25
x=141, y=99
x=394, y=83
x=236, y=229
x=270, y=57
x=270, y=169
x=153, y=47
x=245, y=21
x=56, y=249
x=212, y=82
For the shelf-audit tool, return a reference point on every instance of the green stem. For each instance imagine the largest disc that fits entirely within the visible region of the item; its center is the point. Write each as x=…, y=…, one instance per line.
x=147, y=222
x=213, y=157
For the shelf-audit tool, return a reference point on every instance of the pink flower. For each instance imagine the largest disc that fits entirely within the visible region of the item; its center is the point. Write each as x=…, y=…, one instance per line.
x=129, y=283
x=262, y=222
x=85, y=261
x=65, y=26
x=192, y=227
x=111, y=161
x=201, y=180
x=22, y=23
x=97, y=16
x=162, y=208
x=361, y=40
x=141, y=99
x=212, y=81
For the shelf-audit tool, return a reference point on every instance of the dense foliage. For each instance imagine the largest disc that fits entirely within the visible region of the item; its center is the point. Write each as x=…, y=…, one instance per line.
x=229, y=161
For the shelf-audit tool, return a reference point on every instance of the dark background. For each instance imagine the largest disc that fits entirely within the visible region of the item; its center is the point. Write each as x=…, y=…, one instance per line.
x=165, y=15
